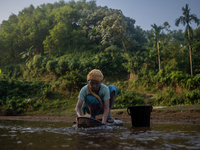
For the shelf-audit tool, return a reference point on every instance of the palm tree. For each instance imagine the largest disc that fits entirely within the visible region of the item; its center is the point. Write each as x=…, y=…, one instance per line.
x=156, y=35
x=157, y=30
x=186, y=19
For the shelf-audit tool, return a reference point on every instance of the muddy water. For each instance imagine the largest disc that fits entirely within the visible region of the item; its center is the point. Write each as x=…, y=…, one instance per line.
x=19, y=135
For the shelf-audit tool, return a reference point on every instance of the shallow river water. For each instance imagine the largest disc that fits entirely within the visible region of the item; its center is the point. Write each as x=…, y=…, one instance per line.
x=31, y=135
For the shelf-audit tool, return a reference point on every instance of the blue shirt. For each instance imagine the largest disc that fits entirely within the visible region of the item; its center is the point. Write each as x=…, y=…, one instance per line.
x=103, y=92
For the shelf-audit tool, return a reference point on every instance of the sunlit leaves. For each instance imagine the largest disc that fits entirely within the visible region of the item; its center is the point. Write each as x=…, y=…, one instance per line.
x=56, y=39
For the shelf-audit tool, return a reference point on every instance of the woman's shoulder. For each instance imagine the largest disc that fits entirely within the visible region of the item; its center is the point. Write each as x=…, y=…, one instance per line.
x=104, y=92
x=103, y=87
x=84, y=91
x=85, y=86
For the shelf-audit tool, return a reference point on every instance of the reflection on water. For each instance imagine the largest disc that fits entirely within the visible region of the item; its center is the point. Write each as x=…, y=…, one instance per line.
x=61, y=135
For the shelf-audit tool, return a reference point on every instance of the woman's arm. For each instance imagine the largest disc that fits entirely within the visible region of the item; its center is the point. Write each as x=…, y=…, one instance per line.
x=106, y=111
x=112, y=98
x=78, y=107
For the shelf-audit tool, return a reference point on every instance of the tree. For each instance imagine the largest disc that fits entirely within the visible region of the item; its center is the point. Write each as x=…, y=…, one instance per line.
x=196, y=51
x=136, y=34
x=155, y=35
x=178, y=36
x=113, y=30
x=186, y=19
x=134, y=61
x=57, y=39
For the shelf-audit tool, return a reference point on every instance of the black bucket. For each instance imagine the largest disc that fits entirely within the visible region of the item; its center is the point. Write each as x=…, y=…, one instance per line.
x=140, y=115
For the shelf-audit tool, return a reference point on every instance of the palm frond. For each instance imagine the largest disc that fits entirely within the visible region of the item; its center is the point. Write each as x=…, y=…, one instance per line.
x=181, y=19
x=194, y=18
x=177, y=21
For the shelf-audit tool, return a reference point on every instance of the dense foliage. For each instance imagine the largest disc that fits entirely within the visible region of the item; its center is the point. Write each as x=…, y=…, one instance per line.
x=17, y=95
x=171, y=87
x=48, y=50
x=64, y=28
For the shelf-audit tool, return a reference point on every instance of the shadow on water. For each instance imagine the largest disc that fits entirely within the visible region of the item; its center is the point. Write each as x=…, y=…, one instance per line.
x=61, y=135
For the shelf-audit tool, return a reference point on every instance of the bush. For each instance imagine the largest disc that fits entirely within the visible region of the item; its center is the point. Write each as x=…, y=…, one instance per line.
x=10, y=88
x=62, y=66
x=51, y=66
x=13, y=70
x=47, y=92
x=37, y=59
x=128, y=98
x=170, y=97
x=193, y=97
x=72, y=81
x=166, y=98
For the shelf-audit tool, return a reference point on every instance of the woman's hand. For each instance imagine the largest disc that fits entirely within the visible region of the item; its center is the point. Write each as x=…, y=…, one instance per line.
x=106, y=111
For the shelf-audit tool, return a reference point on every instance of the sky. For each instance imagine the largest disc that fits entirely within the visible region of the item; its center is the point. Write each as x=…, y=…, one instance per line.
x=144, y=12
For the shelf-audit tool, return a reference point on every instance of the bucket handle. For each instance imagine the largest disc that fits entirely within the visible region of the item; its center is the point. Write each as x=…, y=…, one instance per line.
x=128, y=111
x=151, y=108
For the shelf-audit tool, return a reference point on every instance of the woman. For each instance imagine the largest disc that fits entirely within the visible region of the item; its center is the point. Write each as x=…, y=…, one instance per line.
x=96, y=98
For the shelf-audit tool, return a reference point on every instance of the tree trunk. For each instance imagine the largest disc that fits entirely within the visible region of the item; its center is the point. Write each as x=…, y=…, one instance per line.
x=158, y=56
x=191, y=60
x=190, y=50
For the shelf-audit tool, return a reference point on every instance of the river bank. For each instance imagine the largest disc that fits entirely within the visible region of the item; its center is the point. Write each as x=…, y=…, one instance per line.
x=189, y=114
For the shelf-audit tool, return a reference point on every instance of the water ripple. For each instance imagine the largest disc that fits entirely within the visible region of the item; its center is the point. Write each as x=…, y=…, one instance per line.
x=104, y=137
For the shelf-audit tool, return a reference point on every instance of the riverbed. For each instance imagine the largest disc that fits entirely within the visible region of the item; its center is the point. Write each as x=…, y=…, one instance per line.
x=65, y=135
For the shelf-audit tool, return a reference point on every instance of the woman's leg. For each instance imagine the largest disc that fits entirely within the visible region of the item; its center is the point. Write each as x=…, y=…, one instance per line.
x=93, y=106
x=113, y=94
x=92, y=109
